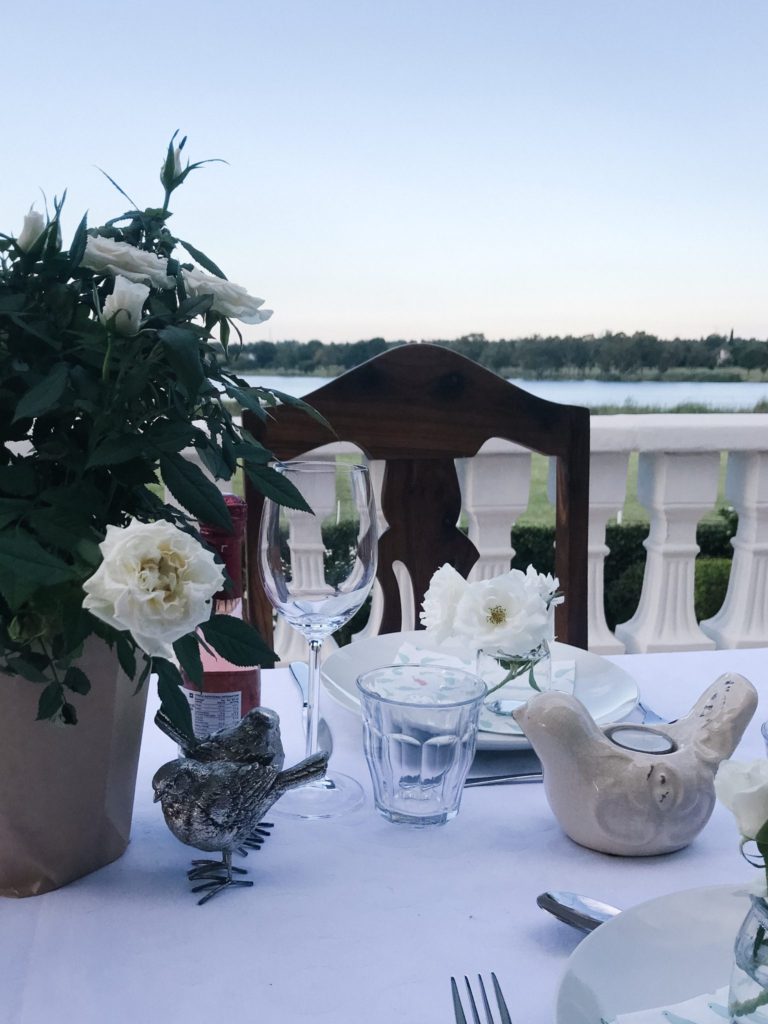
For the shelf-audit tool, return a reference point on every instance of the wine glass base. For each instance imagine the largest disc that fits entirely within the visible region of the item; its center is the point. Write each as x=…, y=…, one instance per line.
x=329, y=797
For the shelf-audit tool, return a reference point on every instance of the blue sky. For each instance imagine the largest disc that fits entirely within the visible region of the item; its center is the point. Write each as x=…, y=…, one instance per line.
x=420, y=168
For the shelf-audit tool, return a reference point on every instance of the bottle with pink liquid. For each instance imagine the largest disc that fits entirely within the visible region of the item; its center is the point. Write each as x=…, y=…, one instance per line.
x=229, y=691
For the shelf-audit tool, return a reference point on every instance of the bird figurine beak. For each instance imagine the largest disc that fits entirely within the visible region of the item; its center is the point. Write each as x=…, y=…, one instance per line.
x=157, y=780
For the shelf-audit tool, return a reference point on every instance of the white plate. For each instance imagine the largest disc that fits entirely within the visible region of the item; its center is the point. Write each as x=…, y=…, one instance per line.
x=607, y=691
x=656, y=954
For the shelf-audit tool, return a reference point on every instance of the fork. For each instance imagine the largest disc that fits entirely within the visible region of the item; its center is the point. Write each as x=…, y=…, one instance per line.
x=458, y=1010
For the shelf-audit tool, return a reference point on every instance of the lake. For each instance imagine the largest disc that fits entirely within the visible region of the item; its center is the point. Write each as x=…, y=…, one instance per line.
x=592, y=393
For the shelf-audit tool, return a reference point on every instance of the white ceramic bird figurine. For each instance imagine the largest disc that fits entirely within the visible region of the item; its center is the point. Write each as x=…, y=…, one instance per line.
x=635, y=802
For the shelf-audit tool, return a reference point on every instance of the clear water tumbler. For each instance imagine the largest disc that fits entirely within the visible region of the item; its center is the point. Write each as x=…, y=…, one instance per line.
x=419, y=735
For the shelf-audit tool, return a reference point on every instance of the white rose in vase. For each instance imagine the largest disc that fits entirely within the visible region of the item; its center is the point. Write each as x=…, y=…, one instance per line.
x=506, y=614
x=124, y=306
x=155, y=581
x=438, y=612
x=742, y=786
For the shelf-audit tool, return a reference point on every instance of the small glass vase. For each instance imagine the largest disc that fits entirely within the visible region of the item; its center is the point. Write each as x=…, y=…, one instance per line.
x=748, y=995
x=512, y=679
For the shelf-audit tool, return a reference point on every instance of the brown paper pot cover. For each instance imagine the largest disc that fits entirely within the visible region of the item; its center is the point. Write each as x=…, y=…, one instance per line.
x=66, y=792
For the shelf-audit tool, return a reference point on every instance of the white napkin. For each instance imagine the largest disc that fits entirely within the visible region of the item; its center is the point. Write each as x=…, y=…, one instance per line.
x=563, y=679
x=710, y=1008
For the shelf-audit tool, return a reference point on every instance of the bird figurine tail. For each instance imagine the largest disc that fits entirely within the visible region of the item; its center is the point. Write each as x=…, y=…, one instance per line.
x=308, y=770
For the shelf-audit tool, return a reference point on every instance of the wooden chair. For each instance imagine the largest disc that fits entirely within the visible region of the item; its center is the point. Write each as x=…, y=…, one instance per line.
x=419, y=407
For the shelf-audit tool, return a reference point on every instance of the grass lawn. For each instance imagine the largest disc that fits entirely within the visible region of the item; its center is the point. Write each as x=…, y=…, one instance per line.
x=541, y=512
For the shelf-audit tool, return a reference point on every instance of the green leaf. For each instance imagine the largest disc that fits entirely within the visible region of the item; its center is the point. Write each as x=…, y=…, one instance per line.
x=244, y=398
x=79, y=240
x=12, y=509
x=76, y=680
x=25, y=667
x=114, y=450
x=172, y=436
x=275, y=486
x=236, y=641
x=187, y=650
x=51, y=701
x=18, y=478
x=172, y=700
x=214, y=461
x=182, y=349
x=144, y=674
x=195, y=307
x=253, y=452
x=126, y=655
x=25, y=566
x=298, y=403
x=205, y=262
x=68, y=713
x=44, y=395
x=194, y=491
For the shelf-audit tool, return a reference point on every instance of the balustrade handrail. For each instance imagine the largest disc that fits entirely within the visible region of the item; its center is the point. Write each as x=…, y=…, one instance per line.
x=678, y=475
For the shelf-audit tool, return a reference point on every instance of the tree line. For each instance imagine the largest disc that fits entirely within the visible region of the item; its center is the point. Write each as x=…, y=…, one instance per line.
x=639, y=355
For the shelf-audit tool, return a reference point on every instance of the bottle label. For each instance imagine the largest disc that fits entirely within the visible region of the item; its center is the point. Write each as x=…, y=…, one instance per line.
x=213, y=711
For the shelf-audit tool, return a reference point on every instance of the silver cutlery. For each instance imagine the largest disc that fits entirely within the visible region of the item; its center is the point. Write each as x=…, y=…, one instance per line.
x=581, y=912
x=507, y=779
x=458, y=1009
x=300, y=672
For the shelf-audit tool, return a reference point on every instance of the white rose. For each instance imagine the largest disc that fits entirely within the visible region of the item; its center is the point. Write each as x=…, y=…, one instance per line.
x=228, y=299
x=546, y=584
x=155, y=581
x=743, y=787
x=503, y=615
x=34, y=225
x=125, y=304
x=440, y=601
x=106, y=256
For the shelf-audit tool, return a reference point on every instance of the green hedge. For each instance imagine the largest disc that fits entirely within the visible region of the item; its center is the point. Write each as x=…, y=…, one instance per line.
x=625, y=564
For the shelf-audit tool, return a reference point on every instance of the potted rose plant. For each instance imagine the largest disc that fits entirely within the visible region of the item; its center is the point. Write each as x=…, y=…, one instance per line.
x=112, y=364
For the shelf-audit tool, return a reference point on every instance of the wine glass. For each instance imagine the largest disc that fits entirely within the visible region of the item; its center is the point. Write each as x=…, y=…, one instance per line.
x=317, y=581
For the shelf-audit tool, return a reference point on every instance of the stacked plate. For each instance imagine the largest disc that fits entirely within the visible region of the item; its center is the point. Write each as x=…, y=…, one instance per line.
x=607, y=691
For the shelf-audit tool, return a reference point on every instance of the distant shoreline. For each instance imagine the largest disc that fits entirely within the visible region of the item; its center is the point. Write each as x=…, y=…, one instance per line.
x=605, y=397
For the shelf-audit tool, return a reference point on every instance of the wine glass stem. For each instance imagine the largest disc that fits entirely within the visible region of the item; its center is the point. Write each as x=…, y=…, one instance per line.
x=313, y=696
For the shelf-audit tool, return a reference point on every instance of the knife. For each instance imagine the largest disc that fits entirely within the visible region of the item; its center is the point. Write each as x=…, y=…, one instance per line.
x=300, y=672
x=507, y=779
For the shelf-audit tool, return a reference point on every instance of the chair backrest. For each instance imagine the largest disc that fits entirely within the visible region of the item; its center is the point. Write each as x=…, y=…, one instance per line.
x=418, y=407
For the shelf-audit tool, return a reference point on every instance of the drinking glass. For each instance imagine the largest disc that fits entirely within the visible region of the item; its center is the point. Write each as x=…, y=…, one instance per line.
x=419, y=734
x=318, y=569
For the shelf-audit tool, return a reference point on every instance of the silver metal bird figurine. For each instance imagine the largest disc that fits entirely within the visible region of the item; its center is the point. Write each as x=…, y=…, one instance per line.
x=255, y=739
x=215, y=805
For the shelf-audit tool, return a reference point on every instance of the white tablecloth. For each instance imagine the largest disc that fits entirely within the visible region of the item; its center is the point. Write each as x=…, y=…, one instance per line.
x=349, y=920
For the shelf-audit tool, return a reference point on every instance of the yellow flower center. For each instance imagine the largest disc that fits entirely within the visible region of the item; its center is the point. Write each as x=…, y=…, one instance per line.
x=497, y=615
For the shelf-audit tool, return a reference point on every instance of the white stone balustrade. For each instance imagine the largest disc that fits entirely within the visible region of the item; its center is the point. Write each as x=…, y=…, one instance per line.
x=743, y=619
x=677, y=489
x=679, y=463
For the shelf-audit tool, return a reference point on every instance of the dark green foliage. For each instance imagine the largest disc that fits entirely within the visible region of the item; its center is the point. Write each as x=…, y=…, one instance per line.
x=100, y=411
x=622, y=593
x=613, y=356
x=625, y=564
x=712, y=576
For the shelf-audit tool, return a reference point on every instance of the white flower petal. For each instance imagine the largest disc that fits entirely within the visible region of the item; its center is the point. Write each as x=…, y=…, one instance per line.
x=155, y=581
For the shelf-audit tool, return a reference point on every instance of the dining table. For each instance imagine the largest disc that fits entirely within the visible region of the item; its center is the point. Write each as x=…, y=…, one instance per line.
x=353, y=918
